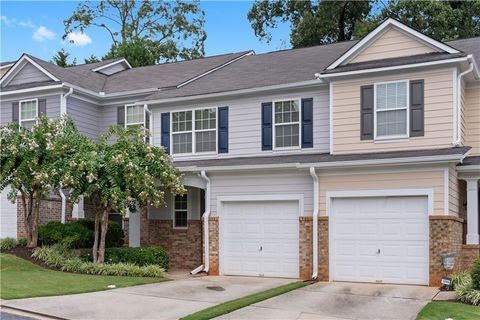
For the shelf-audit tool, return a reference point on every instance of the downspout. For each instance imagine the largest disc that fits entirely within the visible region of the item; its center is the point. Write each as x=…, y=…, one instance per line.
x=206, y=215
x=64, y=204
x=316, y=195
x=63, y=103
x=458, y=138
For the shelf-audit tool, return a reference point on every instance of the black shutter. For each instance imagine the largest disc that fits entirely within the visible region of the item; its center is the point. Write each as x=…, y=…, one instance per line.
x=15, y=112
x=267, y=126
x=307, y=123
x=42, y=107
x=166, y=131
x=121, y=116
x=366, y=113
x=417, y=120
x=147, y=126
x=223, y=130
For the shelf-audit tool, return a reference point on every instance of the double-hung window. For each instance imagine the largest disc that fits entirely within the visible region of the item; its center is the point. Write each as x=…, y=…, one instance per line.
x=180, y=211
x=28, y=110
x=287, y=123
x=391, y=110
x=134, y=115
x=194, y=131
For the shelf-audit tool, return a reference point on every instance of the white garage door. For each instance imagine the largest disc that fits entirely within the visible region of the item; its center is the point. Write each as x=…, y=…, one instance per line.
x=380, y=240
x=260, y=238
x=8, y=216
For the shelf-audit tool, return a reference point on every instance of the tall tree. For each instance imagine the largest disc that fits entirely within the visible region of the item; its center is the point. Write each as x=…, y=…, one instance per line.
x=137, y=52
x=61, y=59
x=171, y=30
x=92, y=59
x=312, y=22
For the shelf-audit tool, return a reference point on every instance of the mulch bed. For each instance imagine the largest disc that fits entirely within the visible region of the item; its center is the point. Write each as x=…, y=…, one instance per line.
x=26, y=253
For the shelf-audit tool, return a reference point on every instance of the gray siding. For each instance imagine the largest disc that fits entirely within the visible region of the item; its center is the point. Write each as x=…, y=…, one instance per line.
x=53, y=107
x=108, y=117
x=245, y=123
x=166, y=212
x=86, y=116
x=29, y=73
x=262, y=183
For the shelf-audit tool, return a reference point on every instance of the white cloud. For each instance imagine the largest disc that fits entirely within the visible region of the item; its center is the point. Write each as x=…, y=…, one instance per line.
x=79, y=39
x=27, y=24
x=42, y=34
x=6, y=20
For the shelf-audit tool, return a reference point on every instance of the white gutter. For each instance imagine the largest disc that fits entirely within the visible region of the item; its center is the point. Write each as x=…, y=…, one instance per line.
x=63, y=101
x=316, y=196
x=458, y=103
x=64, y=205
x=206, y=215
x=12, y=92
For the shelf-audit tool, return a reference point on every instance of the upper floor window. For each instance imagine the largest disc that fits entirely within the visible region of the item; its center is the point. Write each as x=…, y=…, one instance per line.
x=28, y=110
x=134, y=115
x=391, y=110
x=287, y=123
x=194, y=131
x=180, y=211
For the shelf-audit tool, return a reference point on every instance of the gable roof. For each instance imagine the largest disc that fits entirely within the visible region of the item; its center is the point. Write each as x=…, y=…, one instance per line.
x=377, y=32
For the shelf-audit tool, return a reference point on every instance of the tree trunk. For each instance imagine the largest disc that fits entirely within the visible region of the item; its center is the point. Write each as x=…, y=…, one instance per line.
x=103, y=237
x=35, y=222
x=95, y=241
x=28, y=212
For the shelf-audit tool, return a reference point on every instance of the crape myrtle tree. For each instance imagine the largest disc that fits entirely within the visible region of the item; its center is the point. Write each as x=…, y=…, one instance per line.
x=121, y=172
x=32, y=163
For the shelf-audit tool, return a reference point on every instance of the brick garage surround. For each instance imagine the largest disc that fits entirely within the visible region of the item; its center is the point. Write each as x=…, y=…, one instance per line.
x=214, y=246
x=184, y=246
x=306, y=248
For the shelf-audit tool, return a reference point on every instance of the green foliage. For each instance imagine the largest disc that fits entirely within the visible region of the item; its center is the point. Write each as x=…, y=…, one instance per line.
x=162, y=30
x=64, y=259
x=460, y=279
x=61, y=59
x=476, y=275
x=465, y=289
x=78, y=234
x=138, y=256
x=22, y=242
x=91, y=59
x=320, y=22
x=8, y=243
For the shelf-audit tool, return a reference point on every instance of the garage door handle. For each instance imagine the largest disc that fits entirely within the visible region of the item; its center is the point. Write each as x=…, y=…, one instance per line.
x=261, y=248
x=378, y=251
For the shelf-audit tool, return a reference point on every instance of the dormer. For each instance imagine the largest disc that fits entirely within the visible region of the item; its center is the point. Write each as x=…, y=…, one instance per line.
x=113, y=67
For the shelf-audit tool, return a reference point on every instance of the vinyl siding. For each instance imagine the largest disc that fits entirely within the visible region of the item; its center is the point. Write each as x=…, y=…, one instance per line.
x=392, y=44
x=472, y=119
x=29, y=73
x=53, y=107
x=86, y=116
x=166, y=212
x=438, y=114
x=385, y=180
x=258, y=183
x=456, y=193
x=245, y=123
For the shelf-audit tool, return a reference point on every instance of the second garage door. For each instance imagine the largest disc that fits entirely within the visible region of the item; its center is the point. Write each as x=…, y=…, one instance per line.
x=260, y=238
x=381, y=239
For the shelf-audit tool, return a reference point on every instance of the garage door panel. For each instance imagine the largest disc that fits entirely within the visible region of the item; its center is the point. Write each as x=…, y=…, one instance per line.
x=383, y=239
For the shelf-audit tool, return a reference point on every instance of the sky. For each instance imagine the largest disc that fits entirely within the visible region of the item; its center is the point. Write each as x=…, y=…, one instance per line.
x=36, y=27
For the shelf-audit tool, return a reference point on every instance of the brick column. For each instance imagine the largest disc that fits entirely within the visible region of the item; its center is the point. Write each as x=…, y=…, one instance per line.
x=323, y=243
x=213, y=246
x=305, y=247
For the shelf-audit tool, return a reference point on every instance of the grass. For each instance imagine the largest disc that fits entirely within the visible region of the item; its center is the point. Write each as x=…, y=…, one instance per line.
x=442, y=310
x=20, y=278
x=233, y=305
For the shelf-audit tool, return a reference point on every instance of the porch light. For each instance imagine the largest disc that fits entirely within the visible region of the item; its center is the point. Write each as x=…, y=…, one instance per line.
x=448, y=261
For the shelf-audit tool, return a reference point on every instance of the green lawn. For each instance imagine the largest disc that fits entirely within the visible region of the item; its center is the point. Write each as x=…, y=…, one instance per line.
x=233, y=305
x=442, y=310
x=20, y=278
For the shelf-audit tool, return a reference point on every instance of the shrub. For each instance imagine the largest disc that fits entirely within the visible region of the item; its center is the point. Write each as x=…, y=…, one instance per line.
x=8, y=244
x=476, y=275
x=22, y=242
x=460, y=279
x=62, y=258
x=77, y=234
x=464, y=290
x=138, y=256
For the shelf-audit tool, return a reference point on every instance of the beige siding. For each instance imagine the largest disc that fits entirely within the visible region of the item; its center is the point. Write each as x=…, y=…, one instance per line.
x=392, y=44
x=456, y=193
x=438, y=114
x=386, y=180
x=472, y=119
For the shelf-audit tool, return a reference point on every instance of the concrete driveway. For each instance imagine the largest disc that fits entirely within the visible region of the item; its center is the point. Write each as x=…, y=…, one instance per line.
x=335, y=301
x=165, y=300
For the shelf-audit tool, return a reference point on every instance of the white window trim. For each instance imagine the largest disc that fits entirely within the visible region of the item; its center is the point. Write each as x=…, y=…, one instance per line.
x=20, y=120
x=136, y=123
x=274, y=144
x=174, y=211
x=391, y=137
x=193, y=131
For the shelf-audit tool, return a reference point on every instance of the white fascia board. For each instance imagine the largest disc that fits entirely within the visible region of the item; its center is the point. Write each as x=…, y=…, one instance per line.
x=7, y=65
x=357, y=48
x=112, y=64
x=383, y=69
x=469, y=168
x=293, y=85
x=44, y=88
x=7, y=77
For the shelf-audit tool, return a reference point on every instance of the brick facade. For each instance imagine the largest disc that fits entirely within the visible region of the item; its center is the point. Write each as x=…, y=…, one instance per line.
x=470, y=254
x=214, y=246
x=306, y=247
x=323, y=248
x=184, y=246
x=446, y=233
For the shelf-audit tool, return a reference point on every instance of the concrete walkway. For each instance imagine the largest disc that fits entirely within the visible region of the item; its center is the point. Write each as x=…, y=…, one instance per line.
x=335, y=301
x=165, y=300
